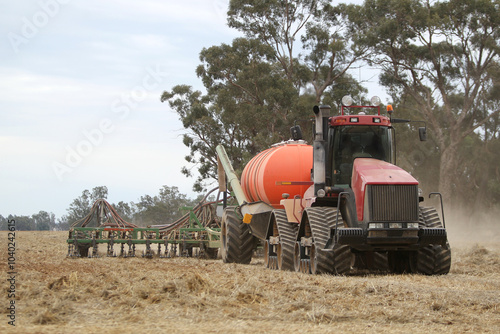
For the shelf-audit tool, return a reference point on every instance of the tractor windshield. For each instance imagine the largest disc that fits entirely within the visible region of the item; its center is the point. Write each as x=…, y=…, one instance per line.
x=358, y=141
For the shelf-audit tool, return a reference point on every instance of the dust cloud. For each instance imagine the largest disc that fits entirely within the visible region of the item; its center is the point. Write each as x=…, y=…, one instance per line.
x=468, y=228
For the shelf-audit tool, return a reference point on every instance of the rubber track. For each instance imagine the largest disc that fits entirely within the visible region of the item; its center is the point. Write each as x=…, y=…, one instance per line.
x=321, y=221
x=432, y=259
x=239, y=240
x=288, y=236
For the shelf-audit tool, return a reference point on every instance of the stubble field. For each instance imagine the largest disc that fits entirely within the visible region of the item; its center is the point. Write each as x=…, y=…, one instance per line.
x=55, y=294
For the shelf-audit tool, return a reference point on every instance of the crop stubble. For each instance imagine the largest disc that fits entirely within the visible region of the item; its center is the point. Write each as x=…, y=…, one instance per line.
x=56, y=294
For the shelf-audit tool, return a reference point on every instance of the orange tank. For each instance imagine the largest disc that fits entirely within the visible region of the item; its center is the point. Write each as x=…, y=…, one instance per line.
x=288, y=162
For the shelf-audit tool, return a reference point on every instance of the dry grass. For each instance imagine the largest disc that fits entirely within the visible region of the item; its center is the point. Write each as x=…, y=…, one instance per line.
x=114, y=295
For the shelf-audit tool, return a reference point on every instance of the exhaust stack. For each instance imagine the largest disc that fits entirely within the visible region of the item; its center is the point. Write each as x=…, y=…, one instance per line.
x=319, y=153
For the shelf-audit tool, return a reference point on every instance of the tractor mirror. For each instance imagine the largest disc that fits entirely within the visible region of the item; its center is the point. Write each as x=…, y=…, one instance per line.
x=422, y=133
x=296, y=132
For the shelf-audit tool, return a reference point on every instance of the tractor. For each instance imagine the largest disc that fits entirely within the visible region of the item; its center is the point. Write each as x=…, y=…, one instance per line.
x=337, y=205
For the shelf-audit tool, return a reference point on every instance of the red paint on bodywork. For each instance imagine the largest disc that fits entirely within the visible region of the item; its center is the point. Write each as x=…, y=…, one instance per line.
x=360, y=120
x=372, y=171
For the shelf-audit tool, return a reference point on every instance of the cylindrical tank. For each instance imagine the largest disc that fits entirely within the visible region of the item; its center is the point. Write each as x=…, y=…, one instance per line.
x=287, y=162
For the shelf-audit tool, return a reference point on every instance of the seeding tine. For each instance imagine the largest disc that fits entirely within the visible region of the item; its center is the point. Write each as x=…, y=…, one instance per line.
x=94, y=246
x=173, y=250
x=184, y=248
x=129, y=243
x=111, y=252
x=148, y=253
x=166, y=255
x=110, y=246
x=202, y=248
x=167, y=250
x=148, y=247
x=76, y=250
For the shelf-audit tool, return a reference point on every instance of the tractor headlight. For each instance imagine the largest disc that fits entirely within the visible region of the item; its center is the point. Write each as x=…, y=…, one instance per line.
x=395, y=225
x=376, y=225
x=375, y=101
x=347, y=100
x=412, y=225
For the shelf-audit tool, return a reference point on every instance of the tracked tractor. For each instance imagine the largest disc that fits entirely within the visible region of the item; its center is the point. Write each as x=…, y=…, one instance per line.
x=336, y=205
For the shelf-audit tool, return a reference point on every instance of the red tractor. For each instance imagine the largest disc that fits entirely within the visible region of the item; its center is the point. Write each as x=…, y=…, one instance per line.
x=339, y=204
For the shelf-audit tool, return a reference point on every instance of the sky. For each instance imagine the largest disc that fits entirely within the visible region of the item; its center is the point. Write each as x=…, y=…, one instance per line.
x=80, y=87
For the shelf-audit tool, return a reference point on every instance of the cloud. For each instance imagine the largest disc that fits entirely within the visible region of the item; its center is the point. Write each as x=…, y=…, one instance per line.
x=194, y=13
x=71, y=76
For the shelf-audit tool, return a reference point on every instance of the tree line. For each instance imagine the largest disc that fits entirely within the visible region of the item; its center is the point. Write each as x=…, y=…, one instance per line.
x=437, y=60
x=165, y=207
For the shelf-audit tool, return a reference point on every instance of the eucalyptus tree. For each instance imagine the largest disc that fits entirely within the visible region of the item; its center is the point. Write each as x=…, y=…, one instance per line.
x=163, y=208
x=309, y=39
x=444, y=56
x=44, y=221
x=291, y=55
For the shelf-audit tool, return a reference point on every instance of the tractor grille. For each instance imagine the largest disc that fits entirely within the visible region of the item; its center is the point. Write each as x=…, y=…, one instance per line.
x=393, y=202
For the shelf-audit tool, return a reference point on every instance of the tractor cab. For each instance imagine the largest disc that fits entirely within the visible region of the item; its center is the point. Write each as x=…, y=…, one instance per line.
x=358, y=132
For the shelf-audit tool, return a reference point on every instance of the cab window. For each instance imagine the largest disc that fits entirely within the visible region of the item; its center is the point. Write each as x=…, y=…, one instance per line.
x=358, y=141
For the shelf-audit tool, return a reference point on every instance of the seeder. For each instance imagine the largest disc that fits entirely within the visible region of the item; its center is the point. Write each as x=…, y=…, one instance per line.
x=197, y=233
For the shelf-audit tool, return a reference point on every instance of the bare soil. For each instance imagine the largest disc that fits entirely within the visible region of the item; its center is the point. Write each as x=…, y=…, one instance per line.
x=55, y=294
